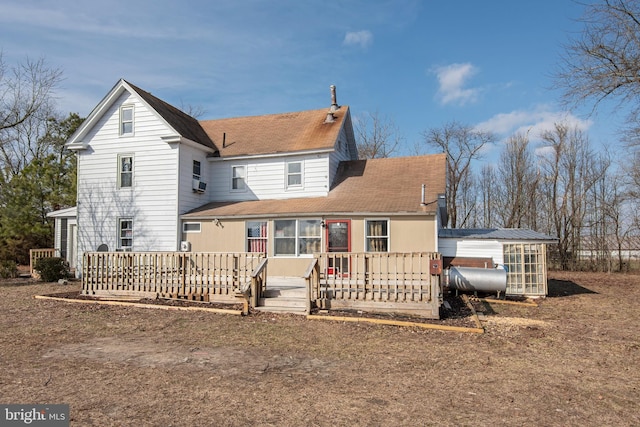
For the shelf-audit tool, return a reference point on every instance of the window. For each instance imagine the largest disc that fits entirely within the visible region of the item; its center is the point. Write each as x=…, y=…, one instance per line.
x=126, y=120
x=294, y=174
x=257, y=236
x=125, y=171
x=526, y=268
x=297, y=237
x=63, y=237
x=191, y=227
x=125, y=234
x=196, y=170
x=238, y=176
x=377, y=235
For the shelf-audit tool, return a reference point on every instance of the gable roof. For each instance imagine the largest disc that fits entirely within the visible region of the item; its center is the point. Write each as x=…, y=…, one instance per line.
x=239, y=136
x=376, y=186
x=276, y=133
x=495, y=234
x=180, y=121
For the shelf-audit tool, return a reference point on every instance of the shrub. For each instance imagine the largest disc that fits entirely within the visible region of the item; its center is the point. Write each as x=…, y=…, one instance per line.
x=52, y=269
x=8, y=269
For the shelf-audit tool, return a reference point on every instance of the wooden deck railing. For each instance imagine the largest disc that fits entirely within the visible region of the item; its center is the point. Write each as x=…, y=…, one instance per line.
x=312, y=278
x=36, y=254
x=397, y=280
x=258, y=282
x=186, y=275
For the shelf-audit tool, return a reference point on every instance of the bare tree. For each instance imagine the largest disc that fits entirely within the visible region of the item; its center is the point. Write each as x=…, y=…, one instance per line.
x=377, y=136
x=603, y=62
x=488, y=183
x=195, y=111
x=467, y=209
x=518, y=187
x=26, y=95
x=570, y=170
x=462, y=144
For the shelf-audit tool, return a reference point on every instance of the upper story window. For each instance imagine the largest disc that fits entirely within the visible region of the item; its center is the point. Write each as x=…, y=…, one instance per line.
x=294, y=174
x=377, y=235
x=125, y=171
x=126, y=120
x=125, y=234
x=196, y=170
x=238, y=178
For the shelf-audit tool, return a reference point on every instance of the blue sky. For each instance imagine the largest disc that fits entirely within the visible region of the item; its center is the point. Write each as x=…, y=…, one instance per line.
x=421, y=63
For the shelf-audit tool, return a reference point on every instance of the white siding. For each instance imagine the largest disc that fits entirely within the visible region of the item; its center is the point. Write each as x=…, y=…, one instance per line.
x=340, y=154
x=188, y=198
x=472, y=249
x=151, y=202
x=266, y=178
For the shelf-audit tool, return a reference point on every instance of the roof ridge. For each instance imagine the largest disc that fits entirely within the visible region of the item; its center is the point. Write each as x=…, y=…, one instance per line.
x=314, y=110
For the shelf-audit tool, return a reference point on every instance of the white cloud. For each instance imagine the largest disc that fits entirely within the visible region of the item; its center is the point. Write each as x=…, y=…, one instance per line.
x=534, y=122
x=362, y=38
x=452, y=79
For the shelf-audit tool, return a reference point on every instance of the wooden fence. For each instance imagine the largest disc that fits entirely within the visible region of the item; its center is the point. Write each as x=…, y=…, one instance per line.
x=214, y=277
x=399, y=282
x=36, y=254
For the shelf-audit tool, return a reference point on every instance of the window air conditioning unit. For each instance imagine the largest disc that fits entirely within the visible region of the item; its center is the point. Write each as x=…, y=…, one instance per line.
x=185, y=246
x=199, y=186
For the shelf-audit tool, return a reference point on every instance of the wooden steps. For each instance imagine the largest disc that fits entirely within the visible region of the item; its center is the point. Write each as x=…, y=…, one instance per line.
x=284, y=295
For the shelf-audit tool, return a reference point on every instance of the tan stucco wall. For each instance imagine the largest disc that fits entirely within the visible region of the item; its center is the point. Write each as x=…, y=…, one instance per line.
x=406, y=234
x=410, y=234
x=227, y=236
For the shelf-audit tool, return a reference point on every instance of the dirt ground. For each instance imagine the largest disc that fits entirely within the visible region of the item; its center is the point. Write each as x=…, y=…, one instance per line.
x=574, y=360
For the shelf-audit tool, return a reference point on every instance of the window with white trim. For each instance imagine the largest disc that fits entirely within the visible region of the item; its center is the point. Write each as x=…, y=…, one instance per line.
x=125, y=234
x=297, y=237
x=238, y=177
x=377, y=235
x=294, y=174
x=191, y=227
x=125, y=171
x=196, y=170
x=256, y=236
x=126, y=120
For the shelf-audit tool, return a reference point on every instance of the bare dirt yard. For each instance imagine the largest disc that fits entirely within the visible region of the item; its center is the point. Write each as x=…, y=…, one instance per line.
x=573, y=360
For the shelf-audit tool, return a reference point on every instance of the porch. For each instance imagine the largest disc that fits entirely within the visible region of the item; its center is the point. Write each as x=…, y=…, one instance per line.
x=379, y=282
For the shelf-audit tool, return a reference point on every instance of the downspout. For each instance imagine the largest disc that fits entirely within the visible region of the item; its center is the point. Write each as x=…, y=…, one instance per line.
x=178, y=200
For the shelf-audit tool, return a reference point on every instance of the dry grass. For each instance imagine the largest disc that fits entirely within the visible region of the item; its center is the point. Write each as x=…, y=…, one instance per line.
x=571, y=361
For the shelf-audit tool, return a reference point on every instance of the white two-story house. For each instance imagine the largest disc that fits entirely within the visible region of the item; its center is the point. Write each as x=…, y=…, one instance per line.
x=152, y=178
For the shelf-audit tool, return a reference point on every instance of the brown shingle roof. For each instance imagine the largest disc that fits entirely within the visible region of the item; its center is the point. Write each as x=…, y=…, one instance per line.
x=183, y=123
x=275, y=133
x=383, y=186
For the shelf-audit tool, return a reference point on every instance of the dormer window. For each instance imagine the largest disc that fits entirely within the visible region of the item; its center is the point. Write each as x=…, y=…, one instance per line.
x=126, y=120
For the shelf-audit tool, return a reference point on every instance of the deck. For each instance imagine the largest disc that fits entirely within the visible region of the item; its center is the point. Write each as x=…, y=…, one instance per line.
x=379, y=282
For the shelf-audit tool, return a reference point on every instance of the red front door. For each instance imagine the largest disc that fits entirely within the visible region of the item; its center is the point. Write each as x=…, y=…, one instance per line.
x=338, y=239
